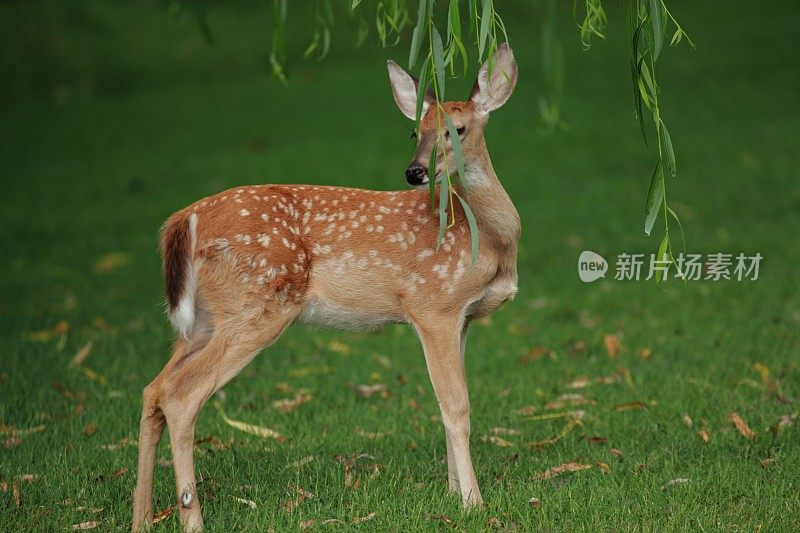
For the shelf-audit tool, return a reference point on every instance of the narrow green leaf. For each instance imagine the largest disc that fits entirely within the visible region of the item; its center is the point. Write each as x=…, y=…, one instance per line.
x=458, y=154
x=473, y=228
x=486, y=15
x=419, y=31
x=354, y=4
x=438, y=62
x=454, y=18
x=657, y=21
x=655, y=195
x=680, y=226
x=676, y=37
x=667, y=141
x=432, y=178
x=422, y=88
x=662, y=252
x=444, y=194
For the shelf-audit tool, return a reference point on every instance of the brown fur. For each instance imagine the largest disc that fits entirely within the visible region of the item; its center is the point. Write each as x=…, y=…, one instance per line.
x=174, y=254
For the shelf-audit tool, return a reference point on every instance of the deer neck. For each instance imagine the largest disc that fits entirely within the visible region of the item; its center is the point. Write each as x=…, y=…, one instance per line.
x=495, y=214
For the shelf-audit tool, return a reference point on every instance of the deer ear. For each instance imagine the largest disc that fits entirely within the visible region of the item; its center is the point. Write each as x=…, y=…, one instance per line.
x=404, y=89
x=491, y=90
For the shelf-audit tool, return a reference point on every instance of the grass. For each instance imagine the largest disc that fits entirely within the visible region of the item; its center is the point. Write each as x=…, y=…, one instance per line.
x=116, y=115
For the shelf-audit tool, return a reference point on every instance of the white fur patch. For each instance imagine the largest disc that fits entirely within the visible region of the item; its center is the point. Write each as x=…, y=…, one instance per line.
x=183, y=316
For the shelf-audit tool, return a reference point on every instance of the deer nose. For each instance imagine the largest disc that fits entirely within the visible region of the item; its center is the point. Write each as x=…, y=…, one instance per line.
x=416, y=174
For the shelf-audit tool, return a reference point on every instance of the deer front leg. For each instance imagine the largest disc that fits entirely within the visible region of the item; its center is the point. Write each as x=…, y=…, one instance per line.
x=441, y=340
x=452, y=472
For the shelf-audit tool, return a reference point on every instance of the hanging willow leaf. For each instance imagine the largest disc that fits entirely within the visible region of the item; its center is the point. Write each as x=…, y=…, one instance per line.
x=277, y=56
x=454, y=20
x=422, y=88
x=486, y=15
x=667, y=141
x=658, y=27
x=654, y=198
x=662, y=255
x=419, y=31
x=432, y=178
x=438, y=62
x=444, y=195
x=458, y=154
x=473, y=228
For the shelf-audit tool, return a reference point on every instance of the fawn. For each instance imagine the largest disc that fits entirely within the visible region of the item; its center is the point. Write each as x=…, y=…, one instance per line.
x=242, y=265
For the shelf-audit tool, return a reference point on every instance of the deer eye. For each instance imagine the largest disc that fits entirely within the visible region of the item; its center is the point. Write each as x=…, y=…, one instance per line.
x=413, y=134
x=461, y=130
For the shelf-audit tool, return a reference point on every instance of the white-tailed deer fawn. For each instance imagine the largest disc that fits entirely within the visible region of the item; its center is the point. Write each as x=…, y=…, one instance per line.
x=243, y=265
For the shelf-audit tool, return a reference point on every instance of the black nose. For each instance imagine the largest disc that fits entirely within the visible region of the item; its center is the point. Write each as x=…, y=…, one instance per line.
x=415, y=174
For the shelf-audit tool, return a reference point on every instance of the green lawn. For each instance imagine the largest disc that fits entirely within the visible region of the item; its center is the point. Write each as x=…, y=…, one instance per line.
x=115, y=115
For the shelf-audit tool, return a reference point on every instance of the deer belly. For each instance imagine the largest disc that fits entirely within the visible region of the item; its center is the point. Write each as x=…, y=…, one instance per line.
x=499, y=291
x=325, y=313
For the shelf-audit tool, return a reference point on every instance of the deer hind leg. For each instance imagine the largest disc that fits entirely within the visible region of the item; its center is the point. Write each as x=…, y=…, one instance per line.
x=150, y=431
x=441, y=340
x=186, y=383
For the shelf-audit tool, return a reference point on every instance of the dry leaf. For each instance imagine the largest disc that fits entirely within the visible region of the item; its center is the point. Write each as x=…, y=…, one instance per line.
x=12, y=442
x=308, y=370
x=604, y=468
x=687, y=420
x=86, y=525
x=645, y=353
x=112, y=261
x=597, y=440
x=562, y=469
x=89, y=430
x=250, y=503
x=579, y=383
x=163, y=515
x=306, y=524
x=301, y=462
x=370, y=390
x=571, y=424
x=374, y=435
x=15, y=493
x=331, y=521
x=81, y=355
x=703, y=434
x=361, y=520
x=741, y=425
x=497, y=441
x=258, y=431
x=444, y=519
x=339, y=347
x=678, y=481
x=29, y=477
x=612, y=346
x=94, y=376
x=288, y=405
x=301, y=496
x=616, y=452
x=630, y=405
x=526, y=410
x=124, y=442
x=534, y=503
x=505, y=431
x=14, y=432
x=93, y=510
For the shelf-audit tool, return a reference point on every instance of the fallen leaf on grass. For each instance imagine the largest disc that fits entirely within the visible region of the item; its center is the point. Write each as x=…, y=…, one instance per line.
x=374, y=435
x=368, y=391
x=784, y=421
x=350, y=463
x=306, y=524
x=252, y=429
x=339, y=347
x=308, y=370
x=29, y=477
x=15, y=432
x=677, y=481
x=11, y=442
x=93, y=510
x=704, y=436
x=604, y=468
x=45, y=335
x=741, y=425
x=497, y=441
x=630, y=405
x=505, y=431
x=767, y=461
x=301, y=462
x=579, y=383
x=444, y=519
x=15, y=493
x=112, y=261
x=126, y=441
x=645, y=353
x=301, y=495
x=534, y=503
x=331, y=521
x=551, y=416
x=250, y=503
x=85, y=525
x=597, y=440
x=163, y=515
x=526, y=410
x=611, y=343
x=81, y=355
x=562, y=469
x=287, y=405
x=94, y=376
x=571, y=424
x=616, y=452
x=687, y=420
x=362, y=519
